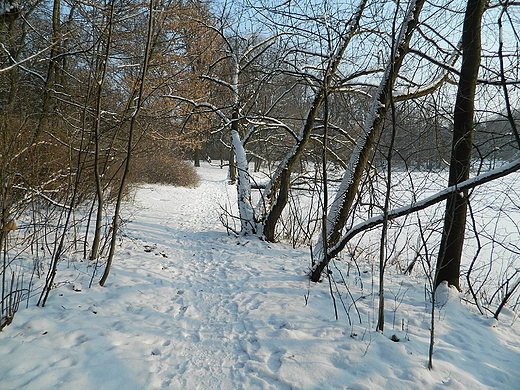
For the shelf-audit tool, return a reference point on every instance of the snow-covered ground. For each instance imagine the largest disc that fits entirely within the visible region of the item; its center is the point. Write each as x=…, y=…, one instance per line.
x=189, y=307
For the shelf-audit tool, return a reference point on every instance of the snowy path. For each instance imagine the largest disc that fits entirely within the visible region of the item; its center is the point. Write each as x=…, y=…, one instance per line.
x=189, y=307
x=211, y=293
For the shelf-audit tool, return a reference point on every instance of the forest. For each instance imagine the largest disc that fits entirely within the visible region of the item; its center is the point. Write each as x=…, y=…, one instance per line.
x=337, y=122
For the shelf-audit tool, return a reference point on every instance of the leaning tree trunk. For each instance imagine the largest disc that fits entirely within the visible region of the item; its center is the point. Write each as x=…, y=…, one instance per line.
x=450, y=252
x=275, y=197
x=347, y=192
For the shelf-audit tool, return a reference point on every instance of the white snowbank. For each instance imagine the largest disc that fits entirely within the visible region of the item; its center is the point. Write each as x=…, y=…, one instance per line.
x=189, y=307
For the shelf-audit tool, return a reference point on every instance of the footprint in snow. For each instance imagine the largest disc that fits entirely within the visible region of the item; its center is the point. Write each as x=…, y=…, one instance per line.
x=166, y=343
x=181, y=312
x=275, y=360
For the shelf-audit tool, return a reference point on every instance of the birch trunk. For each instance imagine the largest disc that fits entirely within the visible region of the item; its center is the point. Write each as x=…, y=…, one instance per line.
x=245, y=209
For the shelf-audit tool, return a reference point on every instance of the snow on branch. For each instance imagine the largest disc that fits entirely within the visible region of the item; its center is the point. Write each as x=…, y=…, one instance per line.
x=425, y=203
x=19, y=63
x=231, y=87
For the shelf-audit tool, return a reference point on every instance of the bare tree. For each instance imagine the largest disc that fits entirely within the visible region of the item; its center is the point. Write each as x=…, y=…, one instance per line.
x=345, y=196
x=243, y=126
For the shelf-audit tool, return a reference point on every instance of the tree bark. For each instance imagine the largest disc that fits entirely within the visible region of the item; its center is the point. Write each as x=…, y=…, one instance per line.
x=348, y=189
x=245, y=209
x=196, y=157
x=276, y=195
x=450, y=252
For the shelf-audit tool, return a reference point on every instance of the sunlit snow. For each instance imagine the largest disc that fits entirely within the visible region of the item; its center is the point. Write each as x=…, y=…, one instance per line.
x=188, y=306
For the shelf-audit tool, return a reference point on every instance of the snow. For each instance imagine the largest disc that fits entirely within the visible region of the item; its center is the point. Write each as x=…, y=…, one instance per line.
x=187, y=306
x=429, y=201
x=243, y=186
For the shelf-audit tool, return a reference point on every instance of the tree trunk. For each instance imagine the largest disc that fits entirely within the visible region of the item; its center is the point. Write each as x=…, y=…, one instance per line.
x=245, y=208
x=196, y=157
x=275, y=197
x=48, y=89
x=347, y=192
x=450, y=252
x=99, y=82
x=232, y=167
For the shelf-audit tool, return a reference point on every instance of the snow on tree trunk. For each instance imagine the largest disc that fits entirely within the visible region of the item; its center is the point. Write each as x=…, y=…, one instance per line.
x=347, y=191
x=245, y=209
x=276, y=195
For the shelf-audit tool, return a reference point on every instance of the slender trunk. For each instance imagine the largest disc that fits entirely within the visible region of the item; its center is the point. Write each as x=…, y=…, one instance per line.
x=232, y=167
x=51, y=72
x=276, y=195
x=450, y=252
x=97, y=124
x=196, y=157
x=384, y=231
x=510, y=116
x=58, y=250
x=14, y=75
x=130, y=142
x=432, y=333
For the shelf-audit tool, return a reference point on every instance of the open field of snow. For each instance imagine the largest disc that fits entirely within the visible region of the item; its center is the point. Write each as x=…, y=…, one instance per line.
x=189, y=307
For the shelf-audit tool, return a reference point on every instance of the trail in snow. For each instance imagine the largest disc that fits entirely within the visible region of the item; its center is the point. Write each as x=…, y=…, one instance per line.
x=189, y=307
x=203, y=295
x=213, y=293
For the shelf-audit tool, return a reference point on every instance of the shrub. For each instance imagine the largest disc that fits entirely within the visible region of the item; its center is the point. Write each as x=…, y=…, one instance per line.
x=159, y=168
